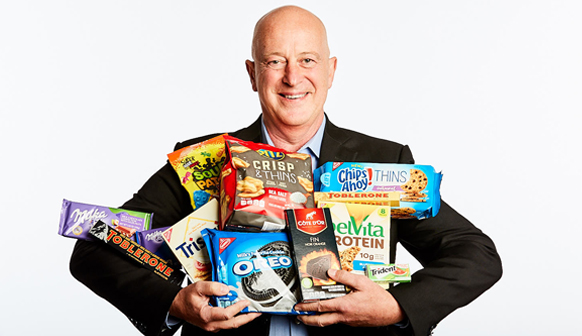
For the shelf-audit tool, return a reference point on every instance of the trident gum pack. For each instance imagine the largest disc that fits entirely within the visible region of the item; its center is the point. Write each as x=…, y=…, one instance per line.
x=198, y=167
x=418, y=185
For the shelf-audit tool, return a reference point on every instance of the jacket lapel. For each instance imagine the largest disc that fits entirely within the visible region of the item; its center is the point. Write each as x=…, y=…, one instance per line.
x=333, y=146
x=252, y=133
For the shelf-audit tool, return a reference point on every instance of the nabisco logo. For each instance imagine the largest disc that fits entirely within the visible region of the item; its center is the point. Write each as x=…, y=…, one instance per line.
x=223, y=243
x=310, y=221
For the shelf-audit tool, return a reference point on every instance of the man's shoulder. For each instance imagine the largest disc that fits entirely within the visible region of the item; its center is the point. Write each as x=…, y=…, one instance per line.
x=356, y=138
x=363, y=147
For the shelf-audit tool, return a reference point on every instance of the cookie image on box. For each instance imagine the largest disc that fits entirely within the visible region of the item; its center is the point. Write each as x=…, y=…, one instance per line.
x=255, y=285
x=417, y=181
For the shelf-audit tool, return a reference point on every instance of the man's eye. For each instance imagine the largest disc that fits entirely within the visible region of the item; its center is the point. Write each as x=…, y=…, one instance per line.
x=276, y=64
x=308, y=62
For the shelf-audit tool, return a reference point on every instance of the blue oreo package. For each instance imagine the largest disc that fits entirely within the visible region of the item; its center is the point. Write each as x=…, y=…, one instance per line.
x=257, y=267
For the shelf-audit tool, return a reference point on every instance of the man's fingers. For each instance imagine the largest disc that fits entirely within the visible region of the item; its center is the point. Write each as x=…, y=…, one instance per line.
x=344, y=277
x=321, y=306
x=233, y=323
x=210, y=288
x=211, y=314
x=321, y=320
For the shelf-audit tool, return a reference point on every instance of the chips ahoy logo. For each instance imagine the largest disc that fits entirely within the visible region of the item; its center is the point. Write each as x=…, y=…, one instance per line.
x=310, y=221
x=355, y=179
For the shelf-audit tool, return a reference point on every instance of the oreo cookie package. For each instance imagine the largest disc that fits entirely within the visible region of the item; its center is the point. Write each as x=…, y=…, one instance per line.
x=257, y=267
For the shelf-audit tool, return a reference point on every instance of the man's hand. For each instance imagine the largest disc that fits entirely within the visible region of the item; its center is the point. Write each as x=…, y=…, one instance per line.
x=192, y=305
x=367, y=305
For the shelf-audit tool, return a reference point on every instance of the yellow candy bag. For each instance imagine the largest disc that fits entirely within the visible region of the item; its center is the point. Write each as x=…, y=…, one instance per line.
x=198, y=167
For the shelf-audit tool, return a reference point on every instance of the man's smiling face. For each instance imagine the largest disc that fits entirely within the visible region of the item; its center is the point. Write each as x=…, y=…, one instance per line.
x=292, y=71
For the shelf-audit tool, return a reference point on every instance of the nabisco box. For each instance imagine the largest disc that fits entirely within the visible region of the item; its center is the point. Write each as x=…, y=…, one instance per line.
x=315, y=252
x=185, y=240
x=362, y=234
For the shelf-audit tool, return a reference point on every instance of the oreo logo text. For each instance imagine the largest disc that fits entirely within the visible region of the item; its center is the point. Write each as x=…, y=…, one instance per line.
x=246, y=267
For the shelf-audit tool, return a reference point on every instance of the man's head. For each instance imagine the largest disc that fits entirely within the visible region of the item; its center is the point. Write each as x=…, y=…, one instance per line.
x=292, y=69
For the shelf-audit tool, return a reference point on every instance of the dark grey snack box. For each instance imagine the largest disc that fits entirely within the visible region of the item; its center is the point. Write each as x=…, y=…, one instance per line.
x=314, y=251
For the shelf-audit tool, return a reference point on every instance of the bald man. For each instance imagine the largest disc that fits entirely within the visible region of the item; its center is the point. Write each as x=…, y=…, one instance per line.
x=292, y=72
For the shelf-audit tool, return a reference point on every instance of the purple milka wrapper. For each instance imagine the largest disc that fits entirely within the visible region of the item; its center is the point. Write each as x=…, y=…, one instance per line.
x=153, y=241
x=78, y=218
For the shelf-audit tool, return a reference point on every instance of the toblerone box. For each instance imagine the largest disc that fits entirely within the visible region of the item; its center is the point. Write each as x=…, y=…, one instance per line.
x=132, y=250
x=185, y=240
x=390, y=198
x=315, y=252
x=362, y=234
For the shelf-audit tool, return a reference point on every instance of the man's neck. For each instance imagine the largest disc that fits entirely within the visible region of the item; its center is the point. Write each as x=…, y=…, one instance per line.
x=291, y=138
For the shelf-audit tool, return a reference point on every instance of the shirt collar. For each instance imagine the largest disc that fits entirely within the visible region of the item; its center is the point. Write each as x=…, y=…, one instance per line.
x=313, y=145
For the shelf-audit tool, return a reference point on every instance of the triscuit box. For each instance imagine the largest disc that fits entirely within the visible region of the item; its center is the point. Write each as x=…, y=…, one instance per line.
x=185, y=240
x=362, y=234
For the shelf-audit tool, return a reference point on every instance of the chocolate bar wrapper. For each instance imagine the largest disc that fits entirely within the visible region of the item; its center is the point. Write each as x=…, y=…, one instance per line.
x=153, y=241
x=78, y=218
x=185, y=240
x=391, y=198
x=417, y=185
x=131, y=249
x=315, y=252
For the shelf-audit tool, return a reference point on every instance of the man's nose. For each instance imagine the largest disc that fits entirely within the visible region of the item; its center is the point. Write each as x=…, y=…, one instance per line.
x=292, y=74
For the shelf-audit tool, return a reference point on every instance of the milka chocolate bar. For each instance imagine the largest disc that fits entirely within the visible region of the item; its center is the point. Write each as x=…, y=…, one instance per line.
x=315, y=252
x=153, y=241
x=146, y=258
x=78, y=218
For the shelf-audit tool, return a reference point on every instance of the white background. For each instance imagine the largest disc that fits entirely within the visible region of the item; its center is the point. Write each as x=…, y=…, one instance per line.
x=94, y=94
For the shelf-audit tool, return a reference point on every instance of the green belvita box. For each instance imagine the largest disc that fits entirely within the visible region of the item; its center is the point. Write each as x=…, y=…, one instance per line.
x=315, y=252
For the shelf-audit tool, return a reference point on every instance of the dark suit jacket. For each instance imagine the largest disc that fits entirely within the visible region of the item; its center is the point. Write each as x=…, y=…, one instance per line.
x=460, y=262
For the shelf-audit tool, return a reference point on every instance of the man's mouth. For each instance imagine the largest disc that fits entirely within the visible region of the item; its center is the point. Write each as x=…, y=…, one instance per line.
x=295, y=96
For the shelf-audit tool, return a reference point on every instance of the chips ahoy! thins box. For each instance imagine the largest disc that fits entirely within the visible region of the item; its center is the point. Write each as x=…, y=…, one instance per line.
x=418, y=185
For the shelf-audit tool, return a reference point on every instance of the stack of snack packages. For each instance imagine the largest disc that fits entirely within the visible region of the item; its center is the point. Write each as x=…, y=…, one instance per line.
x=267, y=225
x=255, y=192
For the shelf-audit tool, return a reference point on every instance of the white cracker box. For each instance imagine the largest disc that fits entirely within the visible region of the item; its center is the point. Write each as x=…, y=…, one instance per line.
x=185, y=240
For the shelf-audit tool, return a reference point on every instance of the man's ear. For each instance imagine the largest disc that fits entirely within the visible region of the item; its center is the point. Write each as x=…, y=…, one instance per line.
x=251, y=71
x=332, y=67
